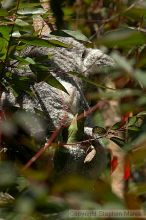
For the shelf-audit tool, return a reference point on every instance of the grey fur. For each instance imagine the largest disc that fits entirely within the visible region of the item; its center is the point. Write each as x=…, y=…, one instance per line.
x=54, y=103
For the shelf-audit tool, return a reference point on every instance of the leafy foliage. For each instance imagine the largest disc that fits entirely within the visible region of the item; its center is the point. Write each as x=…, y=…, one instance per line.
x=118, y=27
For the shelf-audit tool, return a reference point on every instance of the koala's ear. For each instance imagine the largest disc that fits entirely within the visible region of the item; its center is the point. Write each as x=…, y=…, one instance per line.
x=95, y=61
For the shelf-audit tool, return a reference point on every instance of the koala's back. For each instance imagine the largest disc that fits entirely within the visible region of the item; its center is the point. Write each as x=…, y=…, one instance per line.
x=48, y=105
x=54, y=103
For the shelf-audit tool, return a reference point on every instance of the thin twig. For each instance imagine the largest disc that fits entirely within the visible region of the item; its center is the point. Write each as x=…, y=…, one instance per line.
x=42, y=149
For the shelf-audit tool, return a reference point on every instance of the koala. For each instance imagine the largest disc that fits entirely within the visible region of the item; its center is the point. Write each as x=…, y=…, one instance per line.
x=54, y=103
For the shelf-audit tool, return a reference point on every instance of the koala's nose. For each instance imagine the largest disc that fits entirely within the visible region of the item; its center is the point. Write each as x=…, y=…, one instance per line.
x=85, y=53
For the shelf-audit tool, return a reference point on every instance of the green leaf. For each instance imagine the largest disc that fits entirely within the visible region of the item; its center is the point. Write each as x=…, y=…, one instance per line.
x=22, y=183
x=59, y=43
x=132, y=121
x=133, y=128
x=117, y=94
x=99, y=131
x=73, y=131
x=42, y=73
x=76, y=130
x=3, y=12
x=141, y=188
x=19, y=84
x=21, y=23
x=7, y=178
x=26, y=60
x=88, y=1
x=51, y=80
x=80, y=76
x=116, y=126
x=30, y=11
x=122, y=62
x=77, y=35
x=34, y=41
x=7, y=4
x=16, y=34
x=118, y=141
x=136, y=10
x=25, y=5
x=4, y=38
x=6, y=199
x=5, y=32
x=90, y=156
x=29, y=60
x=3, y=48
x=143, y=113
x=68, y=33
x=124, y=38
x=140, y=76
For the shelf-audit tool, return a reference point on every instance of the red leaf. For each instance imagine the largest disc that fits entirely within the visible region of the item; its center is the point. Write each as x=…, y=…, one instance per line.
x=114, y=163
x=127, y=171
x=125, y=118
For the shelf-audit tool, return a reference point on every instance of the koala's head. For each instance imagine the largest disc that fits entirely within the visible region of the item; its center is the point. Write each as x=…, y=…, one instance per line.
x=91, y=61
x=96, y=61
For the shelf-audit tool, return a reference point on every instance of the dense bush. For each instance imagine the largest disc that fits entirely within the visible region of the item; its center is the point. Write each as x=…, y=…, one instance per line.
x=118, y=28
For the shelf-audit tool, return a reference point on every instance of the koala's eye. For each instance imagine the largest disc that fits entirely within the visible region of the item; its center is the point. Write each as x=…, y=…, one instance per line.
x=84, y=54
